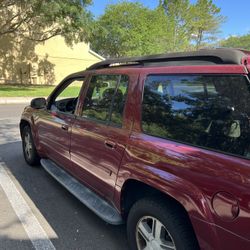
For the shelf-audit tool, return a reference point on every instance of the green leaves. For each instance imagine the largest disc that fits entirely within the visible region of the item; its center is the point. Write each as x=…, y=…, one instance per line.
x=125, y=29
x=129, y=29
x=237, y=42
x=40, y=20
x=205, y=22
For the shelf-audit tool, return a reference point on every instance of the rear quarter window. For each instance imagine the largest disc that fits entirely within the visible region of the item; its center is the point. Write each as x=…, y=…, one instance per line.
x=210, y=111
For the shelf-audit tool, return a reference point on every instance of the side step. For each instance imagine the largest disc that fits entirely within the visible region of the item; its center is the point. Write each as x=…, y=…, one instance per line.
x=94, y=202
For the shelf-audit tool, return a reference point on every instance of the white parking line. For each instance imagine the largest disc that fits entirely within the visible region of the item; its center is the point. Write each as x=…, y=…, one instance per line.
x=34, y=230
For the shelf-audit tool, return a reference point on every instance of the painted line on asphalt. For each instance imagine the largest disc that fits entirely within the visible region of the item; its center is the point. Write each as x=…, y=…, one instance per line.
x=33, y=228
x=10, y=119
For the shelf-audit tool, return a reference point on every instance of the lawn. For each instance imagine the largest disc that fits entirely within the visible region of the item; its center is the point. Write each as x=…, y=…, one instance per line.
x=32, y=91
x=25, y=90
x=42, y=90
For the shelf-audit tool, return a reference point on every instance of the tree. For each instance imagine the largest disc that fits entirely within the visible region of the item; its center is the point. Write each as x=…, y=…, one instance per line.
x=179, y=23
x=206, y=21
x=237, y=42
x=40, y=20
x=129, y=29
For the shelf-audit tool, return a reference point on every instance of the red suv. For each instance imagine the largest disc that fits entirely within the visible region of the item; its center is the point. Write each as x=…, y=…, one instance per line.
x=161, y=142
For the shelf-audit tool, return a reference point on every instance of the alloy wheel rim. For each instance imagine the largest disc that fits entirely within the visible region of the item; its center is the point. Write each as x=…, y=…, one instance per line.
x=28, y=145
x=151, y=234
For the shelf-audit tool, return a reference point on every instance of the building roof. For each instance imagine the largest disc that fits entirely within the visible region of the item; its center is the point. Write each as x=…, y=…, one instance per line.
x=96, y=55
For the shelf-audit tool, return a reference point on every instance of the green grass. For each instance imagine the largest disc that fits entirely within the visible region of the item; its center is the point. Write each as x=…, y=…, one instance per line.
x=41, y=90
x=32, y=91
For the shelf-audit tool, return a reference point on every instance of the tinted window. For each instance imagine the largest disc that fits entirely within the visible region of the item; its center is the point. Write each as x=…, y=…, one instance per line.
x=208, y=111
x=119, y=100
x=65, y=101
x=105, y=98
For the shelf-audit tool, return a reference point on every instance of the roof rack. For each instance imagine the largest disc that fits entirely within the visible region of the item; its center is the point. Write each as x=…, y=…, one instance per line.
x=203, y=56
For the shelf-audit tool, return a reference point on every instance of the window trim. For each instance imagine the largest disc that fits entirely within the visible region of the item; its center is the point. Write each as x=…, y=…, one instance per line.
x=178, y=141
x=59, y=89
x=108, y=122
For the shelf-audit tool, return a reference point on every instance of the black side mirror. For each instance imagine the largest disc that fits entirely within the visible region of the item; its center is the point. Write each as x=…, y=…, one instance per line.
x=38, y=103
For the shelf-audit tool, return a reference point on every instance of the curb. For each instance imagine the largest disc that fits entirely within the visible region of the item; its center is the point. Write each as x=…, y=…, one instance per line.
x=15, y=100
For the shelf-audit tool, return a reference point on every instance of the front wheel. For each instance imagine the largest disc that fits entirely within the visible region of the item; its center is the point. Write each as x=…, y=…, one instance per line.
x=29, y=150
x=154, y=225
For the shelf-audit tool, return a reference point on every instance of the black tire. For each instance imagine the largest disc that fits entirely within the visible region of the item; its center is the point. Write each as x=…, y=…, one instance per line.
x=31, y=157
x=170, y=215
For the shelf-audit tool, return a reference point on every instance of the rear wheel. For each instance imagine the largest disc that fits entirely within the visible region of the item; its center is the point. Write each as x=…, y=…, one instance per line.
x=29, y=150
x=154, y=225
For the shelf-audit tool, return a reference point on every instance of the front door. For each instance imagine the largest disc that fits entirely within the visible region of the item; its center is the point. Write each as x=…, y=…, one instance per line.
x=98, y=136
x=55, y=123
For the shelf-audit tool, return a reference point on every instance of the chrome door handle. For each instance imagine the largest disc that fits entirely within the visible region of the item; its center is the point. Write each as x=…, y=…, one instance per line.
x=65, y=127
x=110, y=144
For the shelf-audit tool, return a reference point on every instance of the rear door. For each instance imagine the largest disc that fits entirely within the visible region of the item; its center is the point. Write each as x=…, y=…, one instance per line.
x=100, y=132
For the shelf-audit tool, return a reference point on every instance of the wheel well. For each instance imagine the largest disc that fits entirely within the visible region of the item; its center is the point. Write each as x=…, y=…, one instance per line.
x=134, y=190
x=23, y=124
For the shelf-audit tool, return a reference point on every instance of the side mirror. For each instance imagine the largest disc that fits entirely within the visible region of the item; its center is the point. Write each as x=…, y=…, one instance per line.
x=38, y=103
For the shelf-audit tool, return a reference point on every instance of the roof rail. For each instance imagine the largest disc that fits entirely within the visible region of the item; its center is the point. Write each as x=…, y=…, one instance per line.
x=203, y=56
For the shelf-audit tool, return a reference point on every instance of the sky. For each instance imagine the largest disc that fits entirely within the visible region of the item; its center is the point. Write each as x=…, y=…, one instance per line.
x=236, y=11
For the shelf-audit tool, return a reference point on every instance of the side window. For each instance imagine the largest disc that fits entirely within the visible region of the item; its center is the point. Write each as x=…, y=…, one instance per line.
x=105, y=98
x=208, y=111
x=65, y=101
x=119, y=100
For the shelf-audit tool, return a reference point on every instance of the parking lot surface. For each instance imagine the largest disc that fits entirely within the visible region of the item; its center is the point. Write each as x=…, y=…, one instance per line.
x=36, y=212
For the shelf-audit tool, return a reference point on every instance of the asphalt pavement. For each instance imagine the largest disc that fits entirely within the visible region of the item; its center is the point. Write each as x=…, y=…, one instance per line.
x=36, y=212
